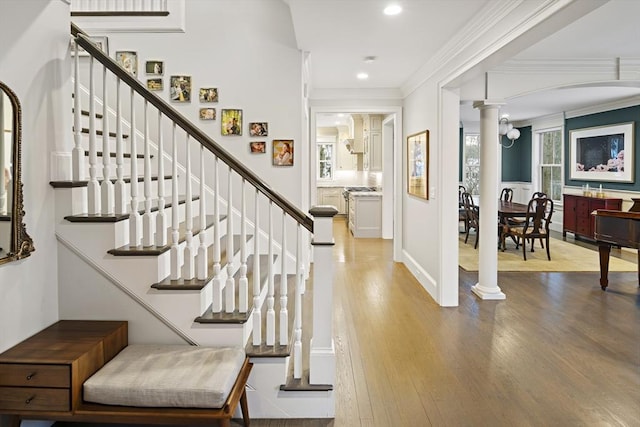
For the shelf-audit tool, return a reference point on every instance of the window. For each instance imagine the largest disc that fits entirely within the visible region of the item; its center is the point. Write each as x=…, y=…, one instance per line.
x=471, y=166
x=551, y=163
x=326, y=160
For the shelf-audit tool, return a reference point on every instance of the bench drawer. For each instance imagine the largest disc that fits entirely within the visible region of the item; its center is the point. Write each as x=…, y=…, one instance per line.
x=31, y=375
x=34, y=399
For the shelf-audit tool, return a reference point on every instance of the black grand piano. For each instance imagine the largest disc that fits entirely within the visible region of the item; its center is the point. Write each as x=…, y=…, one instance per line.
x=617, y=228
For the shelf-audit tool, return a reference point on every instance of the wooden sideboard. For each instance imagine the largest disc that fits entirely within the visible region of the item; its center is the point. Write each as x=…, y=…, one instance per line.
x=42, y=377
x=577, y=218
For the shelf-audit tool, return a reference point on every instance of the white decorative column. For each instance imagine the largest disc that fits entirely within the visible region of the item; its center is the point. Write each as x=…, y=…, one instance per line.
x=322, y=360
x=487, y=287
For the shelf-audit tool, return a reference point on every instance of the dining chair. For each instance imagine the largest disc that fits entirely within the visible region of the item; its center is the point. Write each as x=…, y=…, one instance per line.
x=472, y=213
x=535, y=226
x=462, y=214
x=506, y=194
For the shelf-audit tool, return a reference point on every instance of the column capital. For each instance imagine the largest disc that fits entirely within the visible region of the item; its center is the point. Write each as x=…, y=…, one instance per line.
x=488, y=103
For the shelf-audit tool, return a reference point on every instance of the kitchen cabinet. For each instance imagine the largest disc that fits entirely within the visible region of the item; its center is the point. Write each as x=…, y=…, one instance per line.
x=576, y=213
x=372, y=138
x=365, y=214
x=332, y=196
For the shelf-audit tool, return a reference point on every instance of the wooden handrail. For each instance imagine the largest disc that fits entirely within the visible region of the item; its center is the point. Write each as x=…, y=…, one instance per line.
x=82, y=39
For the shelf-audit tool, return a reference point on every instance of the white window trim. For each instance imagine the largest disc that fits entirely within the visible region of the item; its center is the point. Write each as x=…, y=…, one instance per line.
x=536, y=156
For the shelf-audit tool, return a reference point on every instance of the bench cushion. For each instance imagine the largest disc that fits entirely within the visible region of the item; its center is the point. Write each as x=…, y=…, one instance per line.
x=166, y=376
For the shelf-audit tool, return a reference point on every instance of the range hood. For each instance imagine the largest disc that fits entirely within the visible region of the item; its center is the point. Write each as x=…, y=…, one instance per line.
x=355, y=146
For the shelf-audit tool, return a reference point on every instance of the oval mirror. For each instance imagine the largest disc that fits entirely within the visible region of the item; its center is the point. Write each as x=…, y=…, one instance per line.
x=15, y=243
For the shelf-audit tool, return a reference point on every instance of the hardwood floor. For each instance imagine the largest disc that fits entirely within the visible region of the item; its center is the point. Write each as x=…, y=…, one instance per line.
x=557, y=352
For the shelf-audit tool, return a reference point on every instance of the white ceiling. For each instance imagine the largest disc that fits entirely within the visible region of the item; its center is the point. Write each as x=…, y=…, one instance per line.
x=340, y=33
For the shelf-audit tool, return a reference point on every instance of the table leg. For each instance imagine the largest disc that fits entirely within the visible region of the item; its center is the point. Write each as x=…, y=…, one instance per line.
x=605, y=250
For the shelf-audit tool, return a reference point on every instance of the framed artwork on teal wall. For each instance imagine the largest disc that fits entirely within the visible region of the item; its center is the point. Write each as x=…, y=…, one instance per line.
x=602, y=153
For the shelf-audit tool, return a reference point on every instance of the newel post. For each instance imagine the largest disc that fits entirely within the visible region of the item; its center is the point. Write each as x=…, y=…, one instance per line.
x=322, y=361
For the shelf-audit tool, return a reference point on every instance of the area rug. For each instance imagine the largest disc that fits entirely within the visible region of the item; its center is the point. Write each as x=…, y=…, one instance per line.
x=564, y=257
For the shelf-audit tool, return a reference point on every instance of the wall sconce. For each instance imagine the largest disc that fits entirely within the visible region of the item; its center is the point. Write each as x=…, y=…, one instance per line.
x=506, y=128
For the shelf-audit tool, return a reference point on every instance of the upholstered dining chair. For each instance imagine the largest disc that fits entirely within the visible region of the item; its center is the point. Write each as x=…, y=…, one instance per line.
x=473, y=220
x=535, y=226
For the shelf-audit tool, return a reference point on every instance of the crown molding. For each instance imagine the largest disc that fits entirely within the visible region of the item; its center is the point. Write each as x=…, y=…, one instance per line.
x=632, y=101
x=559, y=66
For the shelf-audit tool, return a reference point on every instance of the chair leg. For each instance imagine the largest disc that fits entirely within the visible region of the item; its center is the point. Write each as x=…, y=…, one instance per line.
x=477, y=237
x=524, y=248
x=548, y=254
x=467, y=236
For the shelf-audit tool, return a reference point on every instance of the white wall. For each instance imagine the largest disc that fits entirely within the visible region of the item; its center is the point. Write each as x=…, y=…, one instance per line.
x=248, y=51
x=35, y=37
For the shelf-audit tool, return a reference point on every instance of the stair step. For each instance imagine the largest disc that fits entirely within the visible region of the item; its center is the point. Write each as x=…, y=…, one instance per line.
x=85, y=183
x=237, y=317
x=277, y=350
x=116, y=218
x=154, y=250
x=99, y=133
x=86, y=113
x=197, y=284
x=112, y=154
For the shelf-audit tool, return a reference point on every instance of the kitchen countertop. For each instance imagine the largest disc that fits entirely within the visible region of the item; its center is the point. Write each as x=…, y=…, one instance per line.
x=365, y=193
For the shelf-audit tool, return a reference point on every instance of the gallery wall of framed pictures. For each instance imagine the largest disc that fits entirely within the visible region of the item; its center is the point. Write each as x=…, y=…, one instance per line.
x=181, y=91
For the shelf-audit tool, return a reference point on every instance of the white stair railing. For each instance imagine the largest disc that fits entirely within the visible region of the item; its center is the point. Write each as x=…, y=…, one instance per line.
x=161, y=219
x=120, y=187
x=106, y=188
x=93, y=187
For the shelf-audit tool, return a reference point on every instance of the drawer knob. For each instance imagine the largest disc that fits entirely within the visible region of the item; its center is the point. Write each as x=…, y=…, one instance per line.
x=29, y=399
x=31, y=375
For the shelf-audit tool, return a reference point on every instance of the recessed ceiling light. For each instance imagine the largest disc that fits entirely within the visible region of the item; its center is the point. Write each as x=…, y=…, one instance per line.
x=362, y=76
x=392, y=9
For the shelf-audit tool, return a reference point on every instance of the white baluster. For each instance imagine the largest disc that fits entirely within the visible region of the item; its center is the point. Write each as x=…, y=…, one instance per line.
x=202, y=258
x=188, y=268
x=93, y=187
x=107, y=186
x=216, y=305
x=257, y=309
x=120, y=202
x=284, y=312
x=161, y=217
x=176, y=253
x=148, y=227
x=297, y=334
x=77, y=154
x=243, y=283
x=230, y=286
x=135, y=220
x=271, y=314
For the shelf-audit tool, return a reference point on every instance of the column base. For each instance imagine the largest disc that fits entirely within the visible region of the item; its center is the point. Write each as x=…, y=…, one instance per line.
x=485, y=293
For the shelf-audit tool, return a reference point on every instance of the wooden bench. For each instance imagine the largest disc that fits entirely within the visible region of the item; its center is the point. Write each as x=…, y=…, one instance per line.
x=43, y=377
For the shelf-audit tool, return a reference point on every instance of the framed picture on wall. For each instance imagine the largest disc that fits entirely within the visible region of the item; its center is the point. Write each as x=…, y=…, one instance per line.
x=283, y=152
x=208, y=94
x=154, y=84
x=602, y=153
x=418, y=164
x=257, y=147
x=180, y=88
x=259, y=129
x=231, y=122
x=128, y=60
x=101, y=43
x=155, y=68
x=207, y=114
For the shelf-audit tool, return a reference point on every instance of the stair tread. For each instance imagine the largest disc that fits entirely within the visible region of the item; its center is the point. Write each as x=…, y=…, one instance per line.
x=303, y=384
x=128, y=250
x=99, y=133
x=113, y=154
x=197, y=284
x=85, y=183
x=277, y=350
x=236, y=317
x=121, y=217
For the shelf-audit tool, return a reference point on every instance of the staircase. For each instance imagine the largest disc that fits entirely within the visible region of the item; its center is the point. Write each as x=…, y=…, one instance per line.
x=185, y=248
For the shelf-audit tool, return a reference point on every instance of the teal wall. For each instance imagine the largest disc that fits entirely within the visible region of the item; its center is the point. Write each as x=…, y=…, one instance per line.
x=622, y=115
x=516, y=161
